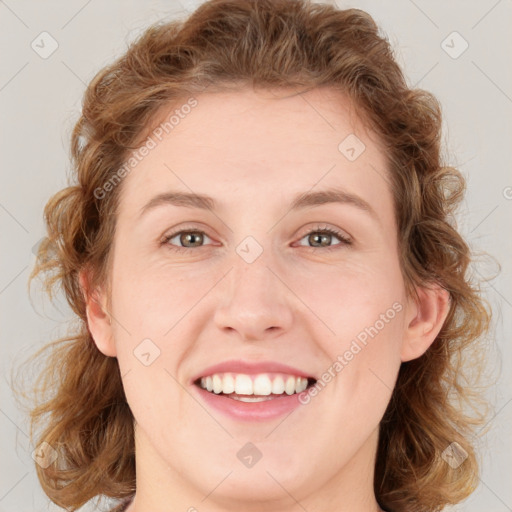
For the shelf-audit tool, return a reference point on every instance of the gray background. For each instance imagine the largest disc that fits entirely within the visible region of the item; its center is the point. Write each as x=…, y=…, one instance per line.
x=40, y=100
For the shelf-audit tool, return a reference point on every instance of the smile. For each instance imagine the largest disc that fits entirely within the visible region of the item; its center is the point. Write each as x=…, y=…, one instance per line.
x=252, y=397
x=260, y=387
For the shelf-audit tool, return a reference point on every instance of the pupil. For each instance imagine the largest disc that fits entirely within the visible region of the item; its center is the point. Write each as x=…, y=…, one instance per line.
x=321, y=237
x=189, y=237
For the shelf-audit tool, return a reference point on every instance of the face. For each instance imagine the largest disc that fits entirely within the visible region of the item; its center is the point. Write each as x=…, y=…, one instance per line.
x=257, y=280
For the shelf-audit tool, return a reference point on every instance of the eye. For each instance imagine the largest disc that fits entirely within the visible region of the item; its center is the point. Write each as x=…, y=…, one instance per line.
x=323, y=236
x=320, y=237
x=188, y=238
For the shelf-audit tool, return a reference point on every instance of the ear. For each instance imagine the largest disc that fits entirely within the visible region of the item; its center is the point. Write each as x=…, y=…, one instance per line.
x=425, y=318
x=98, y=317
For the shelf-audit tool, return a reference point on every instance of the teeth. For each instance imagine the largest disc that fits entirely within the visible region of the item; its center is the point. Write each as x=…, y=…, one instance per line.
x=228, y=384
x=289, y=387
x=217, y=384
x=243, y=385
x=261, y=385
x=252, y=398
x=278, y=386
x=301, y=385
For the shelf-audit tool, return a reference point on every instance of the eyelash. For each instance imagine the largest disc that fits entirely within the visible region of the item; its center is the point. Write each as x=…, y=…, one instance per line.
x=318, y=229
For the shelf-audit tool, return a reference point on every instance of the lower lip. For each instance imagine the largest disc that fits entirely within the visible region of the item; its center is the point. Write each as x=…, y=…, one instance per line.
x=250, y=411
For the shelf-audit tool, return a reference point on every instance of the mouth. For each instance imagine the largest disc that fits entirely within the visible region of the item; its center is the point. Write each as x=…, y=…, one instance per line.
x=251, y=388
x=252, y=391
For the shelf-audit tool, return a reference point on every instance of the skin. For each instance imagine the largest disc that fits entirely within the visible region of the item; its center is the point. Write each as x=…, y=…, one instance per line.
x=297, y=303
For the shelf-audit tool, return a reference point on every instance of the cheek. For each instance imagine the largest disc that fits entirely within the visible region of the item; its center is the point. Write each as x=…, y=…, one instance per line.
x=360, y=332
x=153, y=388
x=156, y=310
x=350, y=299
x=152, y=296
x=340, y=301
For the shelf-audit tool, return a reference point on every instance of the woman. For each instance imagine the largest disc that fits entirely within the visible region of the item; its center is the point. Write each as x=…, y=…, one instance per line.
x=272, y=294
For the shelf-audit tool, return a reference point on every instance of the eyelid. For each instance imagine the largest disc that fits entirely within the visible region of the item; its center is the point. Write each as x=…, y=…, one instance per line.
x=322, y=227
x=343, y=236
x=178, y=231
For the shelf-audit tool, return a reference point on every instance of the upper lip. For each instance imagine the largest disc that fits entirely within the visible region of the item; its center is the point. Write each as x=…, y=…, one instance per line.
x=240, y=366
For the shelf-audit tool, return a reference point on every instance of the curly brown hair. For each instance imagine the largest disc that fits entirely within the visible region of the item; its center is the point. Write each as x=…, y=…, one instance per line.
x=225, y=45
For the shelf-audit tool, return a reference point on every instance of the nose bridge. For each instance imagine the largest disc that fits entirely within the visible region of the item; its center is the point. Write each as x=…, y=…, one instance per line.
x=253, y=301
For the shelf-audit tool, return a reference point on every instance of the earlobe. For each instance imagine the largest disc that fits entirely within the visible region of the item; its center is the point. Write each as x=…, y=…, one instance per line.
x=98, y=317
x=426, y=318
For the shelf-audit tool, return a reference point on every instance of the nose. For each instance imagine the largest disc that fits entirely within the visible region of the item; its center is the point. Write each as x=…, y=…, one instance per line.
x=254, y=303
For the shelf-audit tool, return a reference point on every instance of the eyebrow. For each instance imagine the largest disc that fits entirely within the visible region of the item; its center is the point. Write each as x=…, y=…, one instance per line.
x=300, y=202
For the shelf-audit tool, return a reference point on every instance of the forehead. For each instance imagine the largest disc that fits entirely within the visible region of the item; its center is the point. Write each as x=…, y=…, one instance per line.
x=227, y=144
